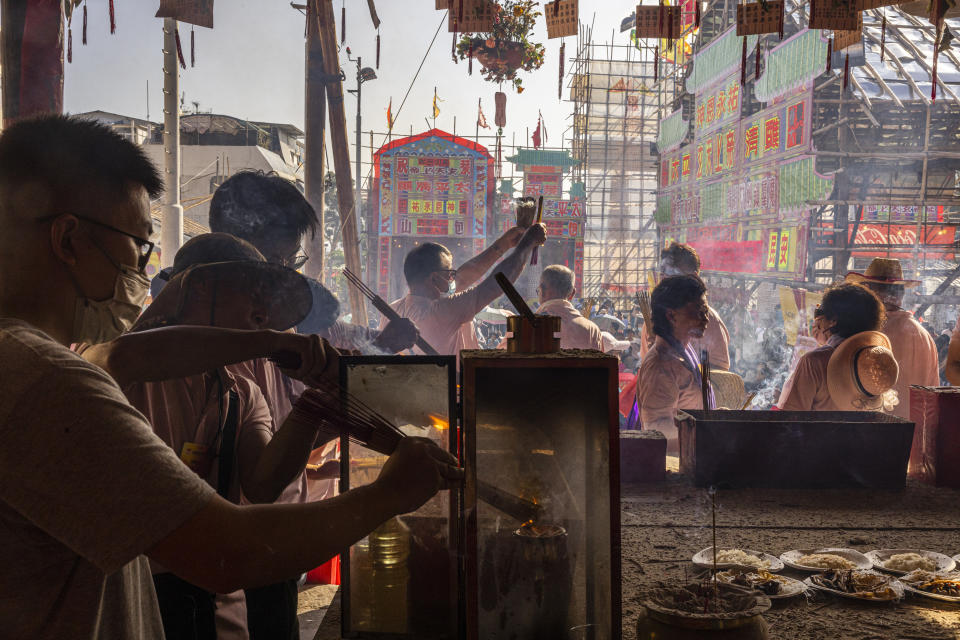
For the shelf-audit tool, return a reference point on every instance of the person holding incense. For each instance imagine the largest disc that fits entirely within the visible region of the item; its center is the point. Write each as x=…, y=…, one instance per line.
x=75, y=205
x=443, y=301
x=682, y=260
x=669, y=378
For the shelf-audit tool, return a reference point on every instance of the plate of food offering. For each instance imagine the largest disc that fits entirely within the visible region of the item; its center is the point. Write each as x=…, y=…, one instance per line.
x=902, y=561
x=943, y=586
x=858, y=584
x=825, y=559
x=730, y=558
x=773, y=586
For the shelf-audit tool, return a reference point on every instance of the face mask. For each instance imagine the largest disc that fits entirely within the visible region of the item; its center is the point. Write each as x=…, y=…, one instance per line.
x=102, y=321
x=452, y=287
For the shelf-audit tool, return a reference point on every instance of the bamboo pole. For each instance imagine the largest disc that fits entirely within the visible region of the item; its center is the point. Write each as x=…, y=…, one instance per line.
x=341, y=156
x=315, y=115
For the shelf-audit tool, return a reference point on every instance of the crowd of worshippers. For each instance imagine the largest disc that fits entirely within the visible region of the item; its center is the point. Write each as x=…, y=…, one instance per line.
x=870, y=351
x=153, y=478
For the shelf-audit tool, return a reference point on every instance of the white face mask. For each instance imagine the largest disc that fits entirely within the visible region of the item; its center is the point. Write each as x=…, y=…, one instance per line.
x=102, y=321
x=452, y=287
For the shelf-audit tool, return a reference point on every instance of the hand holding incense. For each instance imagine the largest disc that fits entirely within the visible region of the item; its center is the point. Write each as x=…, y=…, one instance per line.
x=536, y=250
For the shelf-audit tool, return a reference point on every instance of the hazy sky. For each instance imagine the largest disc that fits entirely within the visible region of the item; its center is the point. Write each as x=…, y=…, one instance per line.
x=251, y=65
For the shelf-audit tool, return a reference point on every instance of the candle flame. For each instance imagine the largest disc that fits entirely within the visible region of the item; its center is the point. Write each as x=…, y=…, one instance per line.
x=438, y=423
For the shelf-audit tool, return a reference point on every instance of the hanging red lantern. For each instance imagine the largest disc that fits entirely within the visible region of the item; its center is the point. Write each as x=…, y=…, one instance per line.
x=743, y=63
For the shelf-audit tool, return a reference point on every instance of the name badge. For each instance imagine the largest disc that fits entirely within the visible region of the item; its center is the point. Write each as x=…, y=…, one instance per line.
x=197, y=456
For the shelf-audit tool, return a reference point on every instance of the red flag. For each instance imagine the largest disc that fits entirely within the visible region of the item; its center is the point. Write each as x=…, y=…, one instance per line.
x=536, y=136
x=481, y=119
x=390, y=115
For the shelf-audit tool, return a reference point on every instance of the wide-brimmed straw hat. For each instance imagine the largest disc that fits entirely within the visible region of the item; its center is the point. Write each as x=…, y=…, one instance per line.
x=221, y=257
x=860, y=370
x=882, y=271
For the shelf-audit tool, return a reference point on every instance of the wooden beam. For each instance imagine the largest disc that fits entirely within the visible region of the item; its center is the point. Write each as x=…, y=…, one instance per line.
x=341, y=156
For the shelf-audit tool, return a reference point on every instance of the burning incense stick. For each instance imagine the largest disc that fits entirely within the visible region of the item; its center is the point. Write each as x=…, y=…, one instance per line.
x=748, y=401
x=381, y=305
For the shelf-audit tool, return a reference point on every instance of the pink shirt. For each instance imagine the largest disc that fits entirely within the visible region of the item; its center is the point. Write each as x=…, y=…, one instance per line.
x=806, y=388
x=445, y=323
x=280, y=392
x=716, y=340
x=916, y=354
x=664, y=385
x=576, y=332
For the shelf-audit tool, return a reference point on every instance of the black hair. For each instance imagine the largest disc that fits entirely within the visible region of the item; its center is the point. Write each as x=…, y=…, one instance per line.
x=67, y=154
x=683, y=257
x=854, y=308
x=673, y=292
x=422, y=261
x=256, y=206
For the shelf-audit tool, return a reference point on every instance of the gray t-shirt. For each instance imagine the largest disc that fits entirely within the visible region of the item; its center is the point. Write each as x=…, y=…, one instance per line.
x=85, y=488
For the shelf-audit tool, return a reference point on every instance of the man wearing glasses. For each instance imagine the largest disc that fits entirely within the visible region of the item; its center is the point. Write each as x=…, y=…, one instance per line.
x=443, y=301
x=87, y=490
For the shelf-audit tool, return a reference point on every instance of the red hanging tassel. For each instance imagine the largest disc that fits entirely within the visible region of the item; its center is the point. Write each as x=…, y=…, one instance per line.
x=556, y=8
x=453, y=48
x=84, y=34
x=499, y=171
x=378, y=49
x=660, y=19
x=113, y=19
x=470, y=60
x=883, y=36
x=563, y=48
x=460, y=13
x=743, y=63
x=183, y=64
x=696, y=14
x=846, y=72
x=193, y=48
x=343, y=23
x=756, y=71
x=69, y=44
x=656, y=63
x=829, y=54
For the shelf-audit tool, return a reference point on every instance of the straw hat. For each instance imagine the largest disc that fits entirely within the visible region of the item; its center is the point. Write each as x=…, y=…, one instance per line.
x=217, y=257
x=882, y=271
x=860, y=370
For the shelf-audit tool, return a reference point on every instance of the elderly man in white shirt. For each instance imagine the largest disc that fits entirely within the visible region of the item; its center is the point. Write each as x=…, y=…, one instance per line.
x=557, y=286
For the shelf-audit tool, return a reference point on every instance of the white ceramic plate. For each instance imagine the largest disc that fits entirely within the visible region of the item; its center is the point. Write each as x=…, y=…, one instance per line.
x=933, y=596
x=704, y=560
x=879, y=556
x=790, y=587
x=792, y=558
x=897, y=586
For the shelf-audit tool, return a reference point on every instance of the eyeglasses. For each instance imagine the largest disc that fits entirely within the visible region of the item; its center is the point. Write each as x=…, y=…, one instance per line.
x=144, y=247
x=296, y=263
x=451, y=274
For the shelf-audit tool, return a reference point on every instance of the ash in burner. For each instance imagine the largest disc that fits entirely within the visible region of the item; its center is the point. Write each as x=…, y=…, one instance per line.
x=705, y=598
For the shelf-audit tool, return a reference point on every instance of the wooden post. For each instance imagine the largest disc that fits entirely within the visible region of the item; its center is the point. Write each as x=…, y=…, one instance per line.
x=315, y=115
x=341, y=156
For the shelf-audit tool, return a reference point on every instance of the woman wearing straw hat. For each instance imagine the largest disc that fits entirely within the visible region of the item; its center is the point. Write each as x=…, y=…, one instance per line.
x=912, y=346
x=855, y=369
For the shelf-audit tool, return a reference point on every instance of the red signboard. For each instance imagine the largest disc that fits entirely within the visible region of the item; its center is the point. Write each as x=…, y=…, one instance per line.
x=901, y=234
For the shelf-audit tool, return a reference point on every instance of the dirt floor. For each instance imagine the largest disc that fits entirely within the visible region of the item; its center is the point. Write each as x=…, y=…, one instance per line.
x=664, y=525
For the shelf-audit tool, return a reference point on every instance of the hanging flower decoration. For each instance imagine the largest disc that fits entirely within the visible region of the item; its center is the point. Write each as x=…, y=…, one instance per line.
x=506, y=49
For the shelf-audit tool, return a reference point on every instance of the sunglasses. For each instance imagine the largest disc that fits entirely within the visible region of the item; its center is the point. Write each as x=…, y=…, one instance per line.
x=144, y=247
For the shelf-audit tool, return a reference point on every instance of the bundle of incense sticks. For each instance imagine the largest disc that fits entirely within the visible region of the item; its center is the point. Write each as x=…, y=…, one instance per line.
x=381, y=305
x=643, y=301
x=534, y=257
x=336, y=413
